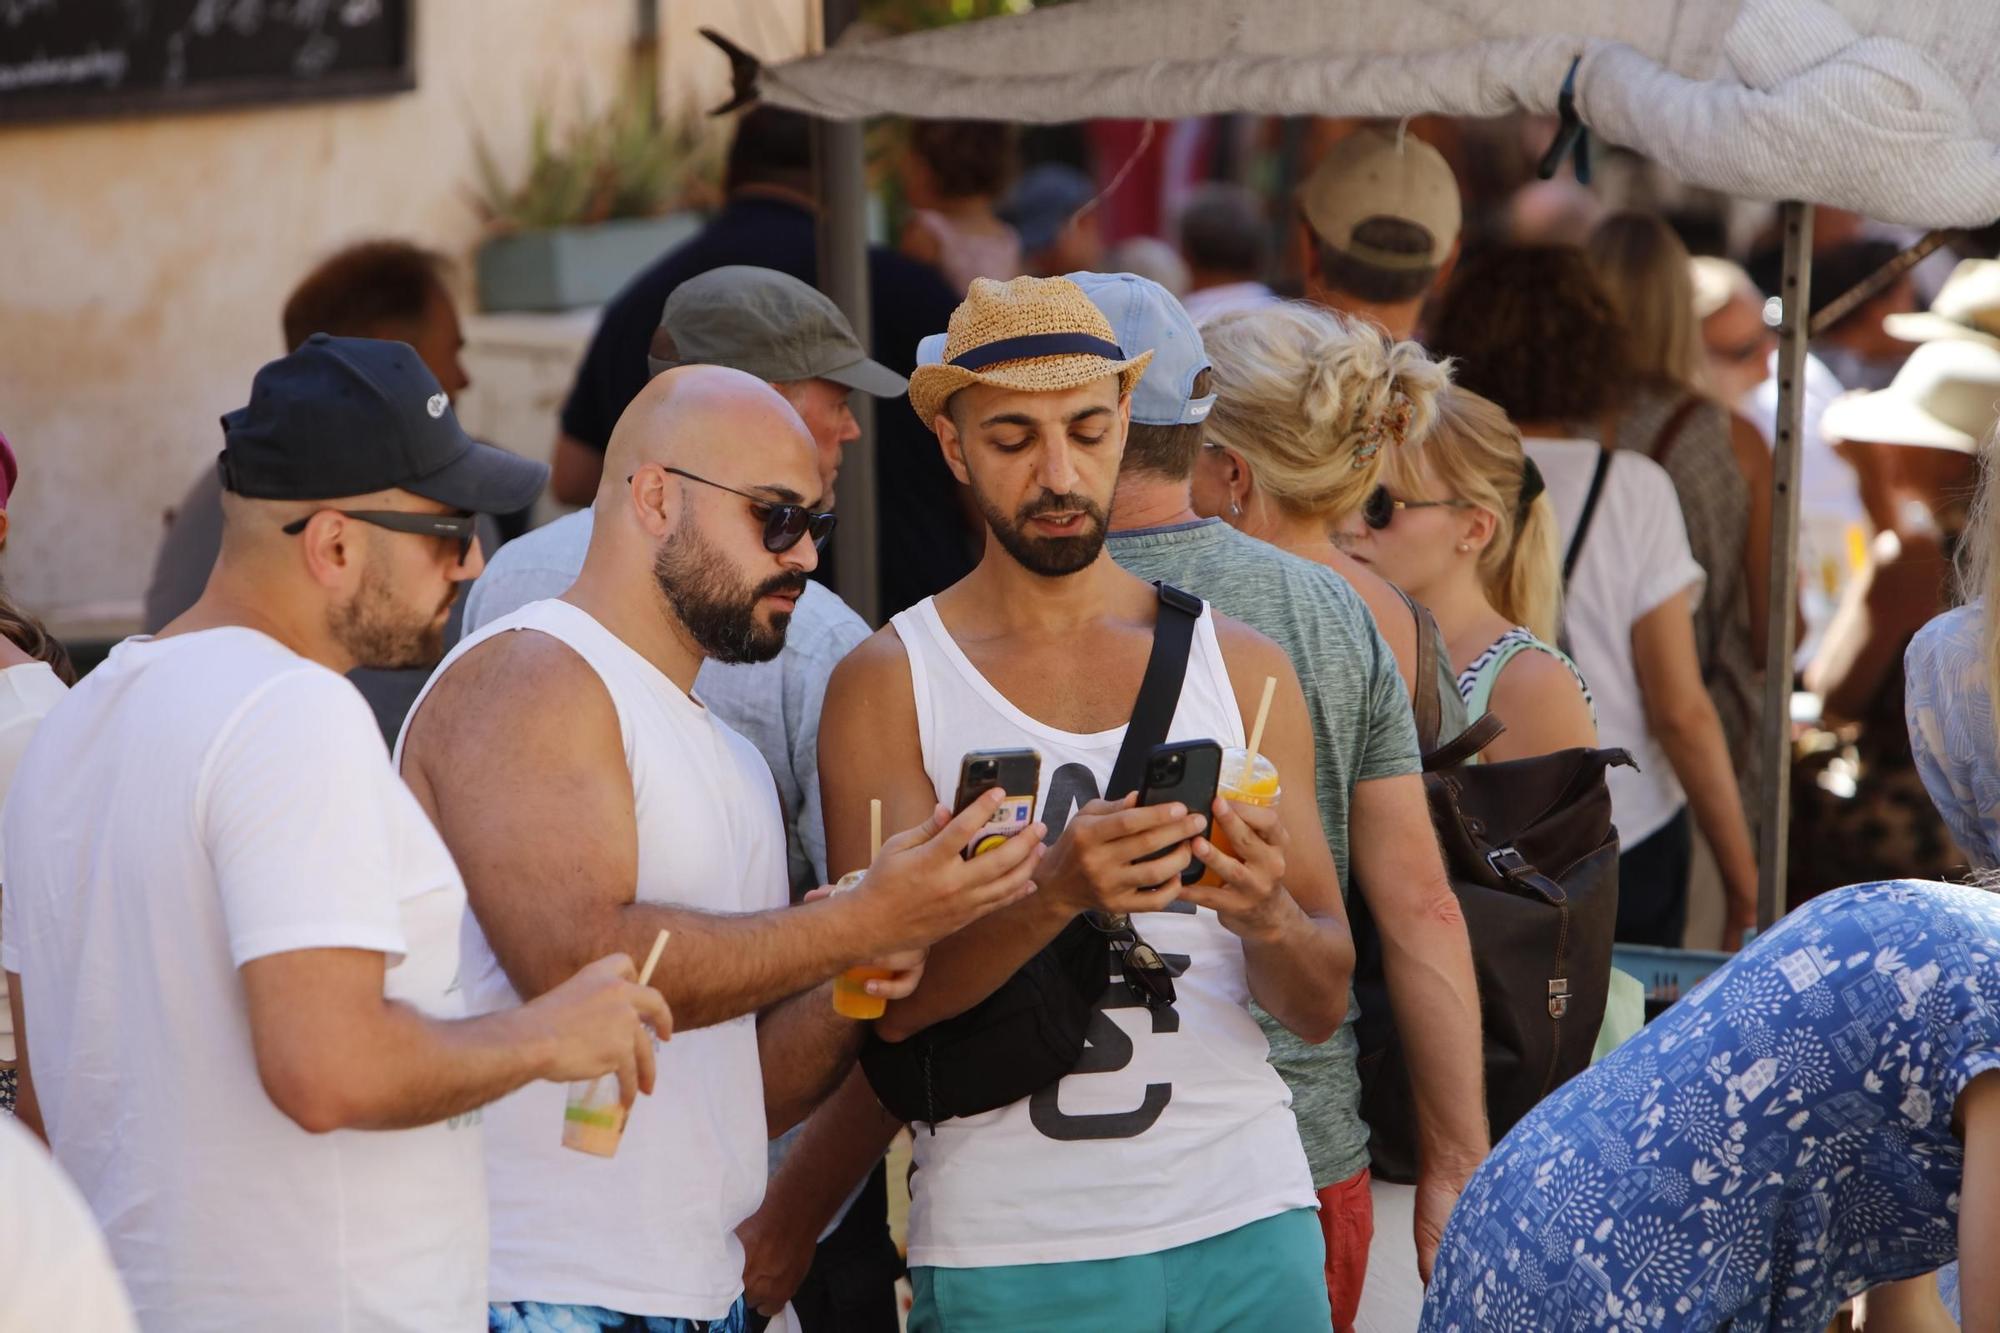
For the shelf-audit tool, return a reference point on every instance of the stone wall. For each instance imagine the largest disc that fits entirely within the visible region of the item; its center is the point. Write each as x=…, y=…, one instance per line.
x=143, y=260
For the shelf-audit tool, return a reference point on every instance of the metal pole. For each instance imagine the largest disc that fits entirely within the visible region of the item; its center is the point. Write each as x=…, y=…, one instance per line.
x=1796, y=295
x=843, y=276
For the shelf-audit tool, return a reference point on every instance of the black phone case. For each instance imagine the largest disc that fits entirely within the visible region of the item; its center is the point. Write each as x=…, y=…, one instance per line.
x=1020, y=774
x=1193, y=785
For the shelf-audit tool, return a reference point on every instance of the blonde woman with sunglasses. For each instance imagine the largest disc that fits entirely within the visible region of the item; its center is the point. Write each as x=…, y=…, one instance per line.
x=1460, y=522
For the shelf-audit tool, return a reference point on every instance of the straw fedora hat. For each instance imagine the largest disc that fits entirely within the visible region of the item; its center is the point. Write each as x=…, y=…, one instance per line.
x=1946, y=396
x=1967, y=306
x=1037, y=335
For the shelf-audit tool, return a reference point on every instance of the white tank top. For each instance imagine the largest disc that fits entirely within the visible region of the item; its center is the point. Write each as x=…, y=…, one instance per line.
x=1174, y=1128
x=653, y=1230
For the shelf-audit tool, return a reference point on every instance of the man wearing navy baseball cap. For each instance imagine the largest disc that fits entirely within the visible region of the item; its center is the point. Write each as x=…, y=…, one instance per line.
x=362, y=421
x=236, y=935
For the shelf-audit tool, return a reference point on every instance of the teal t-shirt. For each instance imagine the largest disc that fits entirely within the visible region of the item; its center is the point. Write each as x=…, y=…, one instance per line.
x=1362, y=729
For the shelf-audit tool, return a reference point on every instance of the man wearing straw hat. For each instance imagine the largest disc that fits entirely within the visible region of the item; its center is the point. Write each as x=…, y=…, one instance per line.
x=593, y=800
x=238, y=938
x=1163, y=1186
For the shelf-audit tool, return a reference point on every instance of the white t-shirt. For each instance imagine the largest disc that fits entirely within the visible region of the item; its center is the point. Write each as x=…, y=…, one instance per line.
x=1635, y=557
x=651, y=1231
x=198, y=802
x=27, y=692
x=54, y=1272
x=1175, y=1127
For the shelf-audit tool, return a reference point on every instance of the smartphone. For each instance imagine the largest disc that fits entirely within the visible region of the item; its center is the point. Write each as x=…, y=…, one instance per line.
x=1018, y=774
x=1188, y=772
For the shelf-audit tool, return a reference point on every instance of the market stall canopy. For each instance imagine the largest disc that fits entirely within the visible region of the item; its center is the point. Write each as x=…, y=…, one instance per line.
x=1887, y=107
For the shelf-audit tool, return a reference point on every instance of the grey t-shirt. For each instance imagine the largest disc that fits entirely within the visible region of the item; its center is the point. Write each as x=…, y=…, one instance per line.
x=1362, y=730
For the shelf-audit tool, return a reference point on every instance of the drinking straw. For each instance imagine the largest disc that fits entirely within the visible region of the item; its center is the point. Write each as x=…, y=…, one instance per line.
x=645, y=976
x=653, y=958
x=874, y=830
x=1263, y=714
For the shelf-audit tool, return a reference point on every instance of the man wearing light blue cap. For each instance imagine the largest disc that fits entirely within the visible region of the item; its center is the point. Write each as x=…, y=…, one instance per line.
x=1371, y=798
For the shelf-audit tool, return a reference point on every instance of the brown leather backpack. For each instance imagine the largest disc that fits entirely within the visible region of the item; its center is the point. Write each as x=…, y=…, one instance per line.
x=1531, y=853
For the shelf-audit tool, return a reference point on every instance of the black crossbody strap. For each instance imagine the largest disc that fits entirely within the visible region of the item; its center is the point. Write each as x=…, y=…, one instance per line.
x=1159, y=690
x=1590, y=500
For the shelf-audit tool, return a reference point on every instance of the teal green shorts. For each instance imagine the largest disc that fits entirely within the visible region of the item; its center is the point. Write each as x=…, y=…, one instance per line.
x=1267, y=1275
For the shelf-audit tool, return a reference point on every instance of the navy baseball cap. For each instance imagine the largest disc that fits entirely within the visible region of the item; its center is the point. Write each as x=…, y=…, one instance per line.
x=347, y=416
x=1147, y=317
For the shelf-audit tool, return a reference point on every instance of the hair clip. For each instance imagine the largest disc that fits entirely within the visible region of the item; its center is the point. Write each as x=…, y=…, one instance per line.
x=1389, y=428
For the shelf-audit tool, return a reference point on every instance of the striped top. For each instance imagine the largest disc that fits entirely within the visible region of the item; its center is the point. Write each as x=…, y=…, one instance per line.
x=1475, y=683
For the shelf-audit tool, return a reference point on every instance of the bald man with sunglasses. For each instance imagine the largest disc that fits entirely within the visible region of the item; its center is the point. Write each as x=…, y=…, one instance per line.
x=592, y=798
x=779, y=329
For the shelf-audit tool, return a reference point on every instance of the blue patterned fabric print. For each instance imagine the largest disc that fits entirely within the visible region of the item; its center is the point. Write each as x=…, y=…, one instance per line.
x=536, y=1317
x=1950, y=716
x=1773, y=1144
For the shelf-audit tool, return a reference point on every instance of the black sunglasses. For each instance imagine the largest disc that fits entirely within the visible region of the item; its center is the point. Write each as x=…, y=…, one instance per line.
x=784, y=524
x=461, y=528
x=1145, y=973
x=1378, y=511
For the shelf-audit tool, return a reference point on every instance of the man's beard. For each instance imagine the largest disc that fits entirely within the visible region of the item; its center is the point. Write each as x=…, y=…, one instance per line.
x=1050, y=557
x=380, y=633
x=717, y=608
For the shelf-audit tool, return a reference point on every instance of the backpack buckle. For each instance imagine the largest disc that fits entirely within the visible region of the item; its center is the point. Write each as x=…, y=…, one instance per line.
x=1507, y=863
x=1558, y=996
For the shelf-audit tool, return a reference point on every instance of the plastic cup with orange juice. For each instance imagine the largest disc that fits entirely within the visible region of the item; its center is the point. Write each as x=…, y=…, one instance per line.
x=1247, y=780
x=850, y=989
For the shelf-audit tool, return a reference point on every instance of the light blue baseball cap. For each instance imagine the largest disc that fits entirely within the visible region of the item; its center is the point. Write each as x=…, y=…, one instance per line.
x=1146, y=317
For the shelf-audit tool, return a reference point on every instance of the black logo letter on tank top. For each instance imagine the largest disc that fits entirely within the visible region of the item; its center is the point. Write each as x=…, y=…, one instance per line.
x=1071, y=788
x=1107, y=1049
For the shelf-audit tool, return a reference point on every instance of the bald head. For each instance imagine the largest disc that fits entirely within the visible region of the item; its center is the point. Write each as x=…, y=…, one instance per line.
x=717, y=423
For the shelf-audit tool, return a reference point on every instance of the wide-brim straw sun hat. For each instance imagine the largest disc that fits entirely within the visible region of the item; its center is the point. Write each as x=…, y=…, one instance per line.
x=1035, y=335
x=1946, y=396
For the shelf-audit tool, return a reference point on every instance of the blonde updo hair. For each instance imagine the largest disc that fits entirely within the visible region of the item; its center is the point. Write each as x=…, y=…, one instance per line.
x=1316, y=402
x=1475, y=453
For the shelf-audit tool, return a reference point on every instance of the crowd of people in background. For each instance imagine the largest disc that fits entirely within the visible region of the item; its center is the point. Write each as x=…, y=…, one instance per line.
x=316, y=987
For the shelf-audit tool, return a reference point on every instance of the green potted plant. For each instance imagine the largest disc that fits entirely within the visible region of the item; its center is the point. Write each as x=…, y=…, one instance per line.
x=596, y=203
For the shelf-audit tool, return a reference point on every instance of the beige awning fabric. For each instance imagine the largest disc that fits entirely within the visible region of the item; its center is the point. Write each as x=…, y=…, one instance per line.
x=1888, y=107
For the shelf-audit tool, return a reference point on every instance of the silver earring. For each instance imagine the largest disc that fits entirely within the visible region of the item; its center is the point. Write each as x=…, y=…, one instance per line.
x=1235, y=510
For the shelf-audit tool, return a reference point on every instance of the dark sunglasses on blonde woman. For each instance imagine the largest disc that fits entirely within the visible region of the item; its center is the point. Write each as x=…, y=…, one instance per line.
x=1378, y=511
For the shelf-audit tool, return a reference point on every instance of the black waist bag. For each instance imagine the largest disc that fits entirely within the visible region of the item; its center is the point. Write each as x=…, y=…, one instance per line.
x=1029, y=1033
x=1532, y=857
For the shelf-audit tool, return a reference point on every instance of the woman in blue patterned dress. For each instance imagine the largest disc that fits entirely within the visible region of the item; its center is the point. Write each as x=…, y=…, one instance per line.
x=1820, y=1117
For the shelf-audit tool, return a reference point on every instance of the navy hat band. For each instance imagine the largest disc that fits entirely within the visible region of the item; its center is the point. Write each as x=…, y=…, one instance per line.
x=1037, y=344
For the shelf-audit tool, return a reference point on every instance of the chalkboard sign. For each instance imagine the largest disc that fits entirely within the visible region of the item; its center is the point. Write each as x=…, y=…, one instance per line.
x=62, y=59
